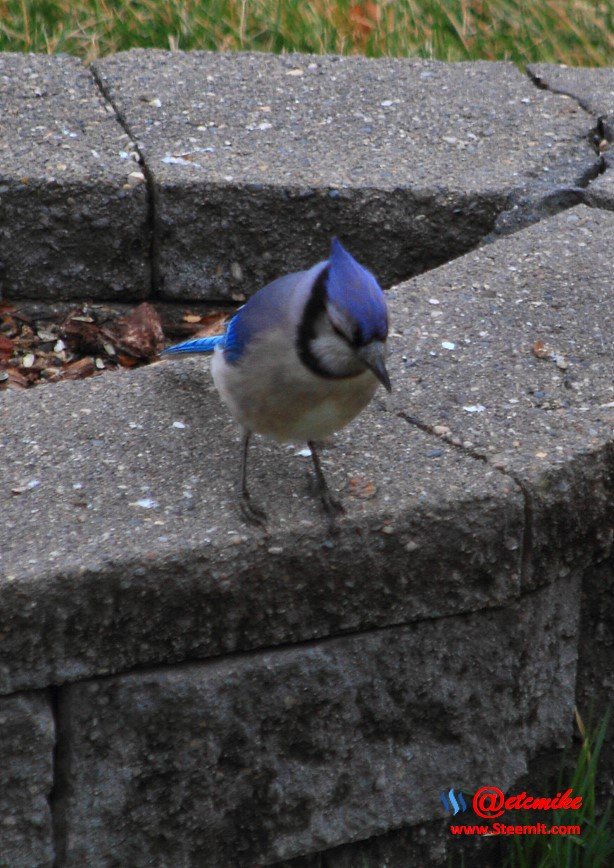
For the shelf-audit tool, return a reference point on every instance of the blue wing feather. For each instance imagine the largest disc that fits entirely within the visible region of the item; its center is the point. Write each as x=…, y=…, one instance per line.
x=349, y=285
x=264, y=310
x=196, y=345
x=268, y=308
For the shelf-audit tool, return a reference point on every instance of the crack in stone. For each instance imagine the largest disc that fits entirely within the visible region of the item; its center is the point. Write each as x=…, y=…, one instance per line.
x=526, y=553
x=539, y=82
x=603, y=131
x=61, y=760
x=528, y=206
x=522, y=208
x=55, y=798
x=259, y=650
x=525, y=207
x=152, y=193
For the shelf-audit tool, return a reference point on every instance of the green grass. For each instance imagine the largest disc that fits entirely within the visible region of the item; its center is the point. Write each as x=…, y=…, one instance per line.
x=595, y=847
x=575, y=32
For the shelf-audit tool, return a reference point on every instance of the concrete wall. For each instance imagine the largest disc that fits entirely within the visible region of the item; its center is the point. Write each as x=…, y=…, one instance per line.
x=179, y=690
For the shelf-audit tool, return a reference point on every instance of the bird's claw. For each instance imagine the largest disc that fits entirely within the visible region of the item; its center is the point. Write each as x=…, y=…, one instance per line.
x=333, y=509
x=252, y=514
x=331, y=505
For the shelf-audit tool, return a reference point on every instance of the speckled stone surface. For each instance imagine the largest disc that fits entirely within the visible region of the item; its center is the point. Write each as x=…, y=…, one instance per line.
x=258, y=159
x=124, y=488
x=418, y=844
x=508, y=352
x=124, y=484
x=27, y=735
x=73, y=205
x=268, y=756
x=477, y=494
x=600, y=194
x=593, y=89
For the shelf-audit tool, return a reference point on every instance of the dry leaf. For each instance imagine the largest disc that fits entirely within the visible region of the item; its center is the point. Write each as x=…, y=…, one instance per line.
x=213, y=324
x=197, y=325
x=82, y=335
x=138, y=335
x=6, y=347
x=78, y=369
x=37, y=350
x=16, y=379
x=127, y=361
x=364, y=17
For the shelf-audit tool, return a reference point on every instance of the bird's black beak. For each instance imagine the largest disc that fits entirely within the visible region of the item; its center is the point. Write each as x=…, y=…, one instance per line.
x=373, y=355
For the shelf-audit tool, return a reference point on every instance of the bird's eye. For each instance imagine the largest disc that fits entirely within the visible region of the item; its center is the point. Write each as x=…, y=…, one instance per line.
x=354, y=341
x=340, y=333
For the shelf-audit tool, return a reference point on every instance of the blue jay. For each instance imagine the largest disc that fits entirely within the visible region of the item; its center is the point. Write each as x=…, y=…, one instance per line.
x=301, y=359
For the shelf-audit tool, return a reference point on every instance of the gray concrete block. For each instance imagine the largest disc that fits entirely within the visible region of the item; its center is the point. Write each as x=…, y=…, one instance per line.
x=267, y=756
x=600, y=193
x=422, y=844
x=593, y=89
x=73, y=215
x=509, y=353
x=259, y=159
x=124, y=488
x=27, y=735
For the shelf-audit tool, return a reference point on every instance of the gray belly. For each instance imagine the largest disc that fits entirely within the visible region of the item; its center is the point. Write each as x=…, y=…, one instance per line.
x=280, y=398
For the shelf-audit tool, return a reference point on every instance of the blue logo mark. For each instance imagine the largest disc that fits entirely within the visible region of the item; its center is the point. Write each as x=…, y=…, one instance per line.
x=453, y=803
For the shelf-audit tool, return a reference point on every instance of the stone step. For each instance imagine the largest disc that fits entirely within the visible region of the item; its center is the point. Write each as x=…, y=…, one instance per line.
x=250, y=162
x=73, y=203
x=177, y=688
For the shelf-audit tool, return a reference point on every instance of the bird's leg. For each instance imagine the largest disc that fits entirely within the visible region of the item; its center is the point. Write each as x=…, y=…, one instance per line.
x=329, y=503
x=251, y=513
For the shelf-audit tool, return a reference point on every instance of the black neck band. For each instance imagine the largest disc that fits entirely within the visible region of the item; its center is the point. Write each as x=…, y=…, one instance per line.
x=314, y=310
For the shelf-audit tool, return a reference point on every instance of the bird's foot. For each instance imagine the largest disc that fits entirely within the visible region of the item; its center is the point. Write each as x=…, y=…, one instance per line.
x=252, y=514
x=333, y=509
x=332, y=506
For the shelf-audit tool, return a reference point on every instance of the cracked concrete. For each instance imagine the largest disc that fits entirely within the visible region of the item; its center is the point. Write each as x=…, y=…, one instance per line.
x=152, y=206
x=478, y=495
x=257, y=159
x=510, y=358
x=358, y=148
x=72, y=205
x=142, y=556
x=593, y=90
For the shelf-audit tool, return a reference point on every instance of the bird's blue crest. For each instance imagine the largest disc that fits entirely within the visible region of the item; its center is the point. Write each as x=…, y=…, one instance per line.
x=354, y=289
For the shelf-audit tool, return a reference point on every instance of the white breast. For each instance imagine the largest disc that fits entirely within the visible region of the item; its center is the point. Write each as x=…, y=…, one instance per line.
x=271, y=392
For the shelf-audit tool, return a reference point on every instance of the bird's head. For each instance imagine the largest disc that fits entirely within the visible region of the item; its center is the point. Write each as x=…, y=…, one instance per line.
x=345, y=323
